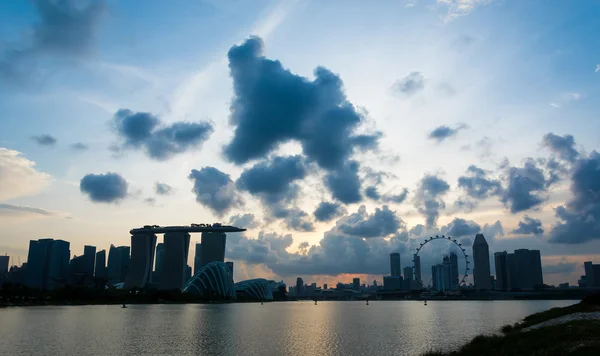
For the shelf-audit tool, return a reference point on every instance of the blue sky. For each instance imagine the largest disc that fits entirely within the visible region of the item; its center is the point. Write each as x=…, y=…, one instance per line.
x=414, y=93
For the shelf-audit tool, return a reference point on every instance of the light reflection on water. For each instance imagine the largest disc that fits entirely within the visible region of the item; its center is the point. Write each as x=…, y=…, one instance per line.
x=292, y=328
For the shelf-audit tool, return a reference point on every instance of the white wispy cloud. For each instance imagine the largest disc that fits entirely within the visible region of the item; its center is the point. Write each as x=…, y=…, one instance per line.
x=458, y=8
x=597, y=68
x=18, y=176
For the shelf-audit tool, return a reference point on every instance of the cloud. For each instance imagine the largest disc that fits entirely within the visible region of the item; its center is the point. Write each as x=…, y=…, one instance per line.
x=597, y=68
x=78, y=146
x=525, y=184
x=273, y=106
x=562, y=146
x=10, y=210
x=64, y=29
x=560, y=268
x=160, y=142
x=215, y=190
x=104, y=188
x=579, y=218
x=150, y=201
x=163, y=188
x=396, y=198
x=461, y=227
x=18, y=176
x=477, y=186
x=458, y=8
x=245, y=221
x=273, y=180
x=327, y=211
x=44, y=140
x=529, y=226
x=372, y=193
x=410, y=85
x=492, y=231
x=382, y=223
x=295, y=219
x=444, y=132
x=428, y=198
x=344, y=184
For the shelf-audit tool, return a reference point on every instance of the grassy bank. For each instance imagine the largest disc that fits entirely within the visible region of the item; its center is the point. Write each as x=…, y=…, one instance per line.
x=573, y=338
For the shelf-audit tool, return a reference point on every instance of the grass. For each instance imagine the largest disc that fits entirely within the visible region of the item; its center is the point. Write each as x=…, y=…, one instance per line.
x=581, y=337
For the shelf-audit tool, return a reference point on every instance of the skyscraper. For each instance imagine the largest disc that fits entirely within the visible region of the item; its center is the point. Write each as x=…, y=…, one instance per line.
x=448, y=274
x=160, y=255
x=299, y=286
x=213, y=247
x=177, y=246
x=47, y=264
x=118, y=263
x=89, y=260
x=500, y=262
x=142, y=258
x=512, y=276
x=395, y=264
x=100, y=269
x=356, y=284
x=4, y=265
x=58, y=267
x=408, y=273
x=198, y=258
x=438, y=277
x=453, y=271
x=481, y=259
x=417, y=264
x=528, y=264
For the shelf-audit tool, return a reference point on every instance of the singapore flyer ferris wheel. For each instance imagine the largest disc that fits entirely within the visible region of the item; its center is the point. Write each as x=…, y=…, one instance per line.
x=417, y=258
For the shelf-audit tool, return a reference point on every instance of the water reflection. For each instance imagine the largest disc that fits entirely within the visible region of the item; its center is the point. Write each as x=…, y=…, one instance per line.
x=330, y=328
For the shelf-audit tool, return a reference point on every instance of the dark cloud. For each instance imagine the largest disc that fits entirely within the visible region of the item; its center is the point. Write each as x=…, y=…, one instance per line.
x=161, y=142
x=296, y=219
x=162, y=188
x=560, y=268
x=215, y=190
x=327, y=211
x=477, y=185
x=104, y=188
x=345, y=184
x=396, y=198
x=246, y=221
x=492, y=231
x=272, y=180
x=562, y=146
x=44, y=140
x=428, y=198
x=372, y=193
x=529, y=226
x=409, y=85
x=580, y=216
x=524, y=186
x=382, y=223
x=65, y=29
x=272, y=106
x=461, y=227
x=444, y=132
x=78, y=146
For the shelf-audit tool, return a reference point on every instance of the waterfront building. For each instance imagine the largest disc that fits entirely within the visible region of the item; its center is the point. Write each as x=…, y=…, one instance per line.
x=528, y=265
x=212, y=281
x=198, y=258
x=47, y=264
x=118, y=263
x=4, y=265
x=89, y=260
x=481, y=259
x=213, y=247
x=417, y=264
x=176, y=248
x=160, y=254
x=438, y=276
x=142, y=258
x=100, y=268
x=592, y=275
x=258, y=289
x=395, y=264
x=299, y=286
x=500, y=262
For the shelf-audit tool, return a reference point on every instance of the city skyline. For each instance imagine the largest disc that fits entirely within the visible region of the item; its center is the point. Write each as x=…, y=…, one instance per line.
x=336, y=152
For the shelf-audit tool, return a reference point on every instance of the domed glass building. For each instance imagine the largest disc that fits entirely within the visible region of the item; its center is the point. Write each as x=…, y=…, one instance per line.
x=213, y=281
x=254, y=289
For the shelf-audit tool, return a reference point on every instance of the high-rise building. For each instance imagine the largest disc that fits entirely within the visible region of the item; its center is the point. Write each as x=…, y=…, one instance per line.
x=142, y=258
x=100, y=268
x=4, y=265
x=438, y=276
x=481, y=259
x=89, y=260
x=453, y=271
x=213, y=247
x=417, y=264
x=592, y=275
x=528, y=265
x=118, y=263
x=395, y=264
x=500, y=262
x=408, y=273
x=177, y=246
x=356, y=284
x=47, y=264
x=448, y=274
x=198, y=258
x=299, y=286
x=229, y=265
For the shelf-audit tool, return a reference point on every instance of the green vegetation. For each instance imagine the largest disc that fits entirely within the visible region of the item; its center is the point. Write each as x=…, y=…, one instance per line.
x=580, y=337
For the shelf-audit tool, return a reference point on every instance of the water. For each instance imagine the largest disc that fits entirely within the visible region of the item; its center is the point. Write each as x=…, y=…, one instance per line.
x=292, y=328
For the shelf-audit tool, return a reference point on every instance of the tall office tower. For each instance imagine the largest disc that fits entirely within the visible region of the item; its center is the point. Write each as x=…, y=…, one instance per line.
x=448, y=277
x=356, y=284
x=47, y=264
x=160, y=257
x=500, y=261
x=4, y=265
x=299, y=286
x=408, y=273
x=230, y=266
x=126, y=261
x=142, y=258
x=454, y=271
x=213, y=247
x=89, y=259
x=417, y=264
x=100, y=269
x=537, y=276
x=481, y=258
x=177, y=245
x=395, y=264
x=118, y=263
x=198, y=258
x=588, y=267
x=529, y=268
x=512, y=276
x=437, y=277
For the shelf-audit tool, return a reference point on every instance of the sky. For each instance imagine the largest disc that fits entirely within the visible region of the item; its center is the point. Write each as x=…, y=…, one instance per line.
x=336, y=132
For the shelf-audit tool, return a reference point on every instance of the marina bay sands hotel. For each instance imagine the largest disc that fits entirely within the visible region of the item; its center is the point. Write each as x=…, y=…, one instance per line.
x=172, y=255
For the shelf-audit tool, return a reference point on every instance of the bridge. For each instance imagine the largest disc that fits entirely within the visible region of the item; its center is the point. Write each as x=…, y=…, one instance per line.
x=155, y=229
